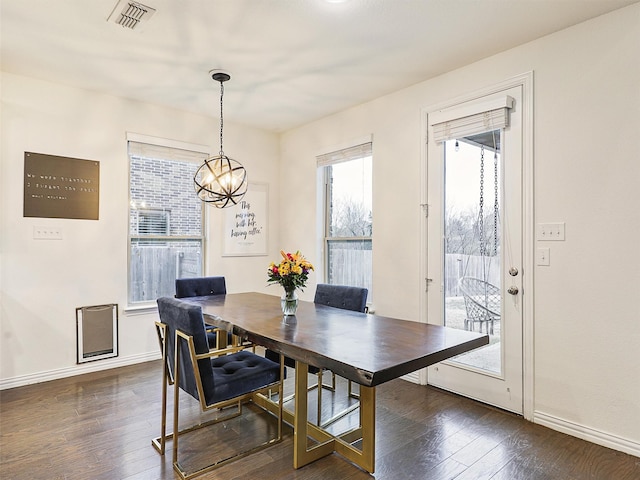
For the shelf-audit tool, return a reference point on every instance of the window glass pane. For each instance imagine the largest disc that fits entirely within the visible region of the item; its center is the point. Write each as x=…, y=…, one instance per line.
x=349, y=263
x=351, y=199
x=473, y=233
x=154, y=266
x=163, y=189
x=349, y=223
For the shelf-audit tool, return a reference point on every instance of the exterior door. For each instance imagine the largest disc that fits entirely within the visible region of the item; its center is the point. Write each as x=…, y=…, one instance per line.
x=474, y=243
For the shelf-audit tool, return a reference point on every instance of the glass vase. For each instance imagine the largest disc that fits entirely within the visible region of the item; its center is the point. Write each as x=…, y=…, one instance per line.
x=289, y=302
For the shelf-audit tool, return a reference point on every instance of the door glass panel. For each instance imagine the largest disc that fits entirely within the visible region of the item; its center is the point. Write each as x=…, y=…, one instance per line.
x=472, y=243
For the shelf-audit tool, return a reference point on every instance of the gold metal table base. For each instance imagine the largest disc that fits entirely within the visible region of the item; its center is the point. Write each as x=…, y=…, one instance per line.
x=326, y=443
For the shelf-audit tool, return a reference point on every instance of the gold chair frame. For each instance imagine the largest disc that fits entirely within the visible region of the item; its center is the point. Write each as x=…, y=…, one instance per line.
x=319, y=385
x=256, y=396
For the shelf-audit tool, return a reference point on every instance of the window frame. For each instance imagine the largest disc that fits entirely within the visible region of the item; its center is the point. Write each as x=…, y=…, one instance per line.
x=325, y=162
x=199, y=152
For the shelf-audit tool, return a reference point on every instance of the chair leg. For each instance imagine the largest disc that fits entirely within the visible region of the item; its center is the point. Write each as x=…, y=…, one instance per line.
x=353, y=394
x=280, y=397
x=346, y=411
x=176, y=402
x=320, y=386
x=163, y=427
x=160, y=442
x=319, y=419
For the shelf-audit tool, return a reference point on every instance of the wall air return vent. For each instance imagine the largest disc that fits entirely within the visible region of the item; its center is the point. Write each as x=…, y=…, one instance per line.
x=129, y=14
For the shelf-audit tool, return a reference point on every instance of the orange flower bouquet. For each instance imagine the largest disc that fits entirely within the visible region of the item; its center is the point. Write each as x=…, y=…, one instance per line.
x=292, y=273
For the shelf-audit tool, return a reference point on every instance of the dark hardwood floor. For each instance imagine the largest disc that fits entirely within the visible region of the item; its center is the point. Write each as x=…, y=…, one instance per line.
x=100, y=426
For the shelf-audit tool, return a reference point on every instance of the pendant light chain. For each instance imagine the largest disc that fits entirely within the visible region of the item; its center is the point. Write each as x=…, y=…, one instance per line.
x=221, y=117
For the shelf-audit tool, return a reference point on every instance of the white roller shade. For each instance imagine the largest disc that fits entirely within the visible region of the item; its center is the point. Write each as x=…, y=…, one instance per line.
x=344, y=155
x=462, y=122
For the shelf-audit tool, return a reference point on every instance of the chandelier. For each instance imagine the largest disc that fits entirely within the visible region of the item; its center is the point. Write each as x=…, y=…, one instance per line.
x=220, y=181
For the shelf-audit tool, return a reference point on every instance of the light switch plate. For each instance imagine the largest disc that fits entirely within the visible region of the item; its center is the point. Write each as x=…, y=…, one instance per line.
x=47, y=233
x=542, y=256
x=550, y=231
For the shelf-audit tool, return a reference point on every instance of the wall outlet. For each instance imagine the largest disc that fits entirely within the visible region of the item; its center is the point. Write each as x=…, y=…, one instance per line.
x=550, y=231
x=47, y=233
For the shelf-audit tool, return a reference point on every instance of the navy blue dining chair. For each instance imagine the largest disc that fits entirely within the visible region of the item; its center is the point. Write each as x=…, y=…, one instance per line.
x=216, y=379
x=202, y=287
x=338, y=296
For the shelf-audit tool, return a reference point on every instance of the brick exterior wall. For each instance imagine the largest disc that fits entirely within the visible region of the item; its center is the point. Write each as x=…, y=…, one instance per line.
x=165, y=185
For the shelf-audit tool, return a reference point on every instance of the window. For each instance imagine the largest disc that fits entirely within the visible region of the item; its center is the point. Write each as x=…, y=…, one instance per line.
x=166, y=220
x=348, y=217
x=153, y=222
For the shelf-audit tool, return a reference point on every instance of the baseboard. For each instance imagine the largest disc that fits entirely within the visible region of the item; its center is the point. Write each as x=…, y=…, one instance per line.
x=591, y=435
x=89, y=367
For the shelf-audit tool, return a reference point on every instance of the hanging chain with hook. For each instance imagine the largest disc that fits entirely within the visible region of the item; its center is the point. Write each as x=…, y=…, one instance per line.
x=481, y=213
x=495, y=203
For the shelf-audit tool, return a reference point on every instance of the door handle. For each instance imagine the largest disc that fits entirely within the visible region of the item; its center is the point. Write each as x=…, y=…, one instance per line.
x=513, y=290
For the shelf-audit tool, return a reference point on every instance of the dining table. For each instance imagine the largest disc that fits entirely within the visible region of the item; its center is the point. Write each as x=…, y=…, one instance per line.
x=365, y=348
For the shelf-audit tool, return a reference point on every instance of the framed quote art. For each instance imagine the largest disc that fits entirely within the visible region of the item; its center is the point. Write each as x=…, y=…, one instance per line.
x=246, y=224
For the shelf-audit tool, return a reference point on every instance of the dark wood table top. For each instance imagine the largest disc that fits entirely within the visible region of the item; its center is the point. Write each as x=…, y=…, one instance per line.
x=368, y=349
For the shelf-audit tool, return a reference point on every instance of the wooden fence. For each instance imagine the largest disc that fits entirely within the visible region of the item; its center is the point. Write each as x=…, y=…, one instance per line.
x=354, y=267
x=154, y=269
x=351, y=267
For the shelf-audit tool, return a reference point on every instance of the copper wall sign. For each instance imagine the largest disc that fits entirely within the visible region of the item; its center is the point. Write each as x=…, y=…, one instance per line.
x=61, y=187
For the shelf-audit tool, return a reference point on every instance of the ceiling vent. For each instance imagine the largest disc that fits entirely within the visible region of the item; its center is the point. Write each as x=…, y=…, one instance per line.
x=129, y=14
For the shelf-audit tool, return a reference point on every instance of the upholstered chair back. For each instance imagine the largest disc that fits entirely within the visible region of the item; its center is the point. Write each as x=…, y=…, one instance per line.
x=341, y=296
x=179, y=315
x=200, y=287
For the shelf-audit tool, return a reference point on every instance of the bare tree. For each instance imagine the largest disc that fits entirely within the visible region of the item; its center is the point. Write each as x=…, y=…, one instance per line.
x=463, y=233
x=351, y=219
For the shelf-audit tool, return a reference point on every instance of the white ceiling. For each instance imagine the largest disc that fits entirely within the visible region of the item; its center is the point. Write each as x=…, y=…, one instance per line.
x=291, y=61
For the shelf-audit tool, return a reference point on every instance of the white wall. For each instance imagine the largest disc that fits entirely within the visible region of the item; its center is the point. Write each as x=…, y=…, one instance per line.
x=43, y=281
x=587, y=172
